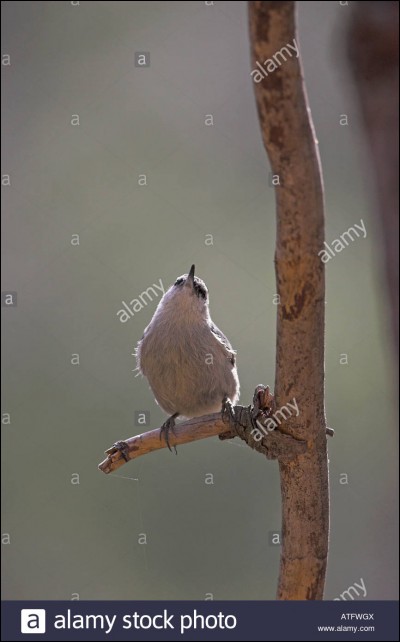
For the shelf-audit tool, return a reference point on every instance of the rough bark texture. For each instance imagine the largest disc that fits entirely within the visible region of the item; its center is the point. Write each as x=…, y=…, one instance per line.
x=198, y=428
x=373, y=43
x=289, y=140
x=233, y=421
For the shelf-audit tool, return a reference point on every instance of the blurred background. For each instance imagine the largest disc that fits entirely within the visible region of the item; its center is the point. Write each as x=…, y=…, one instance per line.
x=166, y=168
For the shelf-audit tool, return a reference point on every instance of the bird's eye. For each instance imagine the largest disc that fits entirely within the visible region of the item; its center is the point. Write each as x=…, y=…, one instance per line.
x=200, y=290
x=179, y=281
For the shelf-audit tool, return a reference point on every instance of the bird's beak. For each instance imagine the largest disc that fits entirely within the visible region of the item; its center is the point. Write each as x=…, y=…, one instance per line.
x=190, y=277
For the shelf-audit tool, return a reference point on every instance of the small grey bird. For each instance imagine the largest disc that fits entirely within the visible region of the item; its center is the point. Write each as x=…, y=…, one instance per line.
x=189, y=363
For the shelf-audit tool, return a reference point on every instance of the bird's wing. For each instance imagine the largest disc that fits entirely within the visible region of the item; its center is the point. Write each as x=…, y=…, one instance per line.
x=230, y=352
x=138, y=355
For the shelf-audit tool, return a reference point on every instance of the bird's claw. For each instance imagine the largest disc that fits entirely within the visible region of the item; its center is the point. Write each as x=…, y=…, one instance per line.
x=227, y=410
x=167, y=426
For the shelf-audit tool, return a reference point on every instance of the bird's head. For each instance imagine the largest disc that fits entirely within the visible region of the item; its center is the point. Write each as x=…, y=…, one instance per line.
x=189, y=296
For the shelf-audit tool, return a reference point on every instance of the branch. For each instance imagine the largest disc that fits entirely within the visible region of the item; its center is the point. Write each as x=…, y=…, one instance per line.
x=234, y=421
x=290, y=142
x=184, y=433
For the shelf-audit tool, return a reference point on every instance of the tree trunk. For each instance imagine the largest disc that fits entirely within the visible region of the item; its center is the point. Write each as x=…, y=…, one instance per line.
x=290, y=143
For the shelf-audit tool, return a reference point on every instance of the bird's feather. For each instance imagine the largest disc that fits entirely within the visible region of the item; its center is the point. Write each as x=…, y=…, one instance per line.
x=230, y=352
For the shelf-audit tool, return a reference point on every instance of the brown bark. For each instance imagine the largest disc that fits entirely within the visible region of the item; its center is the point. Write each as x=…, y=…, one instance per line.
x=290, y=143
x=234, y=421
x=193, y=430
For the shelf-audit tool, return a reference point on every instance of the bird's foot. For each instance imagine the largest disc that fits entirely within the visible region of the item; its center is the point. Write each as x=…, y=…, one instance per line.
x=228, y=415
x=167, y=426
x=227, y=409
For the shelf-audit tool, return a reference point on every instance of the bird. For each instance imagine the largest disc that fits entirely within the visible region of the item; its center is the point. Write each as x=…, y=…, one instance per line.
x=189, y=363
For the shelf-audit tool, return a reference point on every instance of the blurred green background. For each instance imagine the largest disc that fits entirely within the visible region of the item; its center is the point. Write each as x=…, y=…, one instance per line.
x=69, y=539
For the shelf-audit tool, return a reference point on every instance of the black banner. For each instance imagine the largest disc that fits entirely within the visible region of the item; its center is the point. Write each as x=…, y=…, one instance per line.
x=233, y=620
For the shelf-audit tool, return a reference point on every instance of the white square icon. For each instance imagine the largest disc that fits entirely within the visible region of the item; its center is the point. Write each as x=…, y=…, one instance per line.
x=33, y=621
